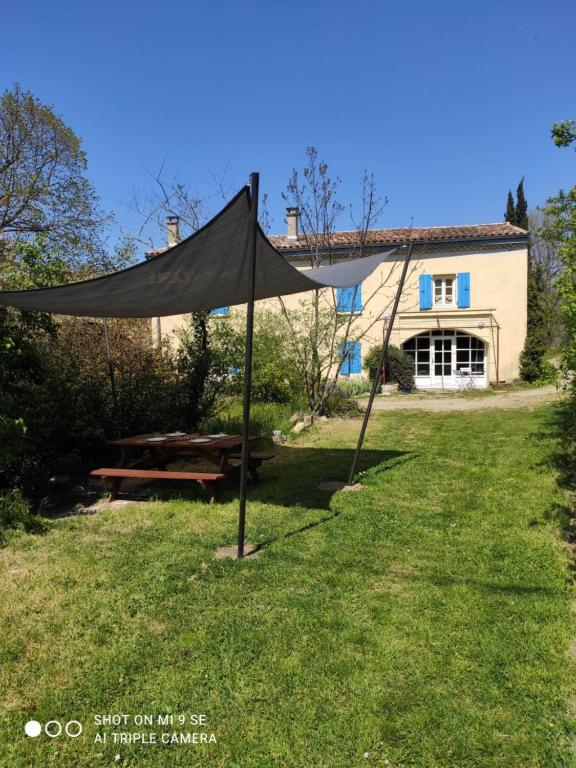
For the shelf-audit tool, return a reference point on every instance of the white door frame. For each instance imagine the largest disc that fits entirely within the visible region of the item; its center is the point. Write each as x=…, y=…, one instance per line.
x=459, y=377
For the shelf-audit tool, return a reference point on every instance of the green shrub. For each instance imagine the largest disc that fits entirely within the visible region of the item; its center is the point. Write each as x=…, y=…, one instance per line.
x=69, y=385
x=536, y=343
x=548, y=373
x=354, y=387
x=264, y=419
x=275, y=376
x=532, y=363
x=340, y=404
x=57, y=409
x=398, y=365
x=15, y=515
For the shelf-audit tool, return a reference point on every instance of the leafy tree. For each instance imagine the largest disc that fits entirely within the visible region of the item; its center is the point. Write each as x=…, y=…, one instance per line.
x=545, y=259
x=561, y=229
x=194, y=366
x=30, y=265
x=43, y=184
x=318, y=330
x=275, y=376
x=206, y=358
x=25, y=265
x=564, y=133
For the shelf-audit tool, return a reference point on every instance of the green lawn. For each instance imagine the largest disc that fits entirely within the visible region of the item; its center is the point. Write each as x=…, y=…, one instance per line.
x=423, y=621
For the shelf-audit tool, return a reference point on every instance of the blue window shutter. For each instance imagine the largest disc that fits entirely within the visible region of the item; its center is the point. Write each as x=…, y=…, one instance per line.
x=355, y=357
x=349, y=299
x=220, y=311
x=463, y=289
x=351, y=356
x=425, y=291
x=345, y=360
x=343, y=300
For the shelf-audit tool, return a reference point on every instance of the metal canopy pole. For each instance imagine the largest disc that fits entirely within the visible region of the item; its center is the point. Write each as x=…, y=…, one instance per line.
x=380, y=365
x=254, y=184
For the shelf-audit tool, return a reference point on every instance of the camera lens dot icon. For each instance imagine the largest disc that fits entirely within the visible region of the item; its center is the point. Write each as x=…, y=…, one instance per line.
x=33, y=728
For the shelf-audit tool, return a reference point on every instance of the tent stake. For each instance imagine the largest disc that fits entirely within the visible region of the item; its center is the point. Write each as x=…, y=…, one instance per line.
x=380, y=366
x=254, y=184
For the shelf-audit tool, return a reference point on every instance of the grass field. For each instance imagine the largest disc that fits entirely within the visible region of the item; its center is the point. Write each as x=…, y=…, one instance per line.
x=424, y=621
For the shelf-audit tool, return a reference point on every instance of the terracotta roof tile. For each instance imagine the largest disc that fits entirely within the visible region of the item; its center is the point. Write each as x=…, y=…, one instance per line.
x=403, y=235
x=399, y=236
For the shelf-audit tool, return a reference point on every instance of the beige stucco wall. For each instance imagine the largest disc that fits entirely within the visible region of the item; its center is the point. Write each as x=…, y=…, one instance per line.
x=498, y=296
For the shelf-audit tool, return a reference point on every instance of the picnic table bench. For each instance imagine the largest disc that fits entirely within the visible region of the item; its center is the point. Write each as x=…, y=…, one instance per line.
x=218, y=450
x=116, y=475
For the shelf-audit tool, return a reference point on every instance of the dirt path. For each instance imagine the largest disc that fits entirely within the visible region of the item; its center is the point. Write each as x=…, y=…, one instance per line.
x=523, y=398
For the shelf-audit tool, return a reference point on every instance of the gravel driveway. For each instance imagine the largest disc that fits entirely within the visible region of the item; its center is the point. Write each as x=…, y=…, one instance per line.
x=522, y=398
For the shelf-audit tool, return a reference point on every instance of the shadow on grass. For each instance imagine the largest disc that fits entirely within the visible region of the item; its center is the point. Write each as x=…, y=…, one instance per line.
x=290, y=479
x=484, y=586
x=562, y=424
x=303, y=528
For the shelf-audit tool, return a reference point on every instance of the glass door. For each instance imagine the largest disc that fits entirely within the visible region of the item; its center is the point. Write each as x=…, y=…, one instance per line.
x=443, y=375
x=446, y=359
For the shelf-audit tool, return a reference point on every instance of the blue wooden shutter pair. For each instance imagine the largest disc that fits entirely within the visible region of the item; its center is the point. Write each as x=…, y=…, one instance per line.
x=349, y=299
x=463, y=289
x=351, y=353
x=220, y=311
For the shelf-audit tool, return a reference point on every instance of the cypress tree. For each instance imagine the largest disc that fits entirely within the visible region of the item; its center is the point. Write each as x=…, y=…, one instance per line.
x=536, y=344
x=521, y=217
x=510, y=215
x=536, y=337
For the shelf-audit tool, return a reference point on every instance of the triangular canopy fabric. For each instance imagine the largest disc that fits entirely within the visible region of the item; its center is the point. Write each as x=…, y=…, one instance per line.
x=207, y=270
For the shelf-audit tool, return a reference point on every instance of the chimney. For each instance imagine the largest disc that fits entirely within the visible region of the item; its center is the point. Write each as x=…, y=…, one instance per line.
x=173, y=230
x=292, y=215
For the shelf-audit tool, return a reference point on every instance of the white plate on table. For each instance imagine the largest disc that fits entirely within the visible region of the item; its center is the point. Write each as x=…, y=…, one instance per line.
x=155, y=439
x=175, y=434
x=220, y=434
x=200, y=440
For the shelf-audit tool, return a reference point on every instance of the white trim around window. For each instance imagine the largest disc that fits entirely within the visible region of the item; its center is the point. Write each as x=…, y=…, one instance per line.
x=444, y=290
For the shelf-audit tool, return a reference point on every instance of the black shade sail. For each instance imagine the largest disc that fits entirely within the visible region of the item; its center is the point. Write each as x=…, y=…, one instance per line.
x=205, y=271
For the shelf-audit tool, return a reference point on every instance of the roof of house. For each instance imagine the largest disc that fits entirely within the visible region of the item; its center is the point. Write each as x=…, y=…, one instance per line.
x=399, y=236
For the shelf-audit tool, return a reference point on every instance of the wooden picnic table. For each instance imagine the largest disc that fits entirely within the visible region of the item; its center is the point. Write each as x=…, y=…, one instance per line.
x=215, y=450
x=218, y=450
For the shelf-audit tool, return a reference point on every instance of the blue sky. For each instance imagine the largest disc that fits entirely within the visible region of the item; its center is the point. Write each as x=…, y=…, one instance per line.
x=448, y=102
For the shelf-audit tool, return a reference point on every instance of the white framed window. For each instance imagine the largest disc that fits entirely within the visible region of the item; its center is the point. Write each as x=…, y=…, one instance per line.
x=470, y=355
x=444, y=290
x=418, y=347
x=434, y=354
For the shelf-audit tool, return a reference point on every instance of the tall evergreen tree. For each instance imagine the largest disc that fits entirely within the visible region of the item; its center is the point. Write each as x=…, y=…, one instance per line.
x=521, y=213
x=532, y=357
x=510, y=215
x=536, y=342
